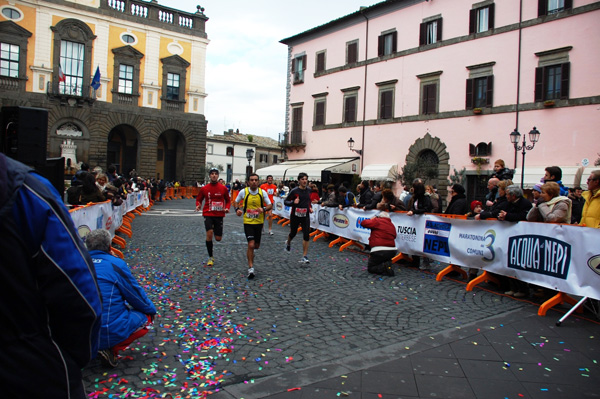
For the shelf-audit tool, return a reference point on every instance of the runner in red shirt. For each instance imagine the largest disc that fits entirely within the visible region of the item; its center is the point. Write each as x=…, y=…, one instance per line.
x=271, y=190
x=216, y=205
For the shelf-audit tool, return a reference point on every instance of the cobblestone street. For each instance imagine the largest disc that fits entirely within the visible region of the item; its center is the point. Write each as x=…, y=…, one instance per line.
x=215, y=328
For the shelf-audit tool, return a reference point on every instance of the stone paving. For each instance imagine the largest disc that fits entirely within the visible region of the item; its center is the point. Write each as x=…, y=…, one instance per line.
x=215, y=328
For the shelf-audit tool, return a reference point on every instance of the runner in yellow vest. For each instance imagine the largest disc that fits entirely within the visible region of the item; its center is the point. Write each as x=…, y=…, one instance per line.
x=253, y=203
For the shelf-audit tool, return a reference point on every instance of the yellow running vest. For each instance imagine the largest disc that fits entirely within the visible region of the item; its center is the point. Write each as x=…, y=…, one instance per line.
x=251, y=204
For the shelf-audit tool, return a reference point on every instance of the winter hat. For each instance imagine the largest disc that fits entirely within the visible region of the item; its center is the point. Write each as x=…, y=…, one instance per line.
x=538, y=188
x=475, y=204
x=458, y=189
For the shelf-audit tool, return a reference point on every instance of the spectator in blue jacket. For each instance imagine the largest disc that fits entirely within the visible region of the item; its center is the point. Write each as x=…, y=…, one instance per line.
x=49, y=302
x=127, y=313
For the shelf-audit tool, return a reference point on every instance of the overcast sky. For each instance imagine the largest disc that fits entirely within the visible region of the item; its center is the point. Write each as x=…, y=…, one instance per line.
x=246, y=64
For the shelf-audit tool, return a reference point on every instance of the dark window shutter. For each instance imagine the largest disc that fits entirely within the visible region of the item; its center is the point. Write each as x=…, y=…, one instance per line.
x=469, y=94
x=489, y=95
x=539, y=84
x=491, y=15
x=320, y=113
x=303, y=62
x=422, y=34
x=542, y=7
x=350, y=109
x=472, y=20
x=320, y=62
x=489, y=148
x=439, y=30
x=394, y=42
x=429, y=98
x=352, y=53
x=294, y=65
x=471, y=150
x=385, y=106
x=568, y=4
x=564, y=84
x=297, y=120
x=380, y=45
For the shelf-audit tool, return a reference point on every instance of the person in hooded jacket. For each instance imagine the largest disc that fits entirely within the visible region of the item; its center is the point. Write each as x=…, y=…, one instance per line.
x=49, y=302
x=127, y=313
x=458, y=204
x=499, y=204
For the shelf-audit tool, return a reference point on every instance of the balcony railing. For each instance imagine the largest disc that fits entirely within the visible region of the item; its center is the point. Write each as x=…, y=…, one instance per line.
x=9, y=84
x=145, y=11
x=125, y=99
x=173, y=105
x=71, y=95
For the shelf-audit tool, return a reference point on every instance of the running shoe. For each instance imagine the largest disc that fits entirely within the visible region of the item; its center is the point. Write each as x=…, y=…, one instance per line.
x=304, y=260
x=250, y=273
x=108, y=358
x=288, y=247
x=270, y=232
x=211, y=261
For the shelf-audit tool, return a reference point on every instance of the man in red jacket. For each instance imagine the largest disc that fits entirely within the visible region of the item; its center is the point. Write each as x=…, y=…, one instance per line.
x=382, y=242
x=216, y=205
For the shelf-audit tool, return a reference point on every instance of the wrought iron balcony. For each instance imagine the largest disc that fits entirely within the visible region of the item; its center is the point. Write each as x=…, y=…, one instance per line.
x=72, y=95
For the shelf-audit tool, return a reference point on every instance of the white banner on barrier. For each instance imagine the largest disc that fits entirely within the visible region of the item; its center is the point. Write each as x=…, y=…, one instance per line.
x=565, y=258
x=104, y=216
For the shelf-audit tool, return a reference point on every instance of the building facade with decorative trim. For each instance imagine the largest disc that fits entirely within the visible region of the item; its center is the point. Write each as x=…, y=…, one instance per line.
x=123, y=81
x=444, y=83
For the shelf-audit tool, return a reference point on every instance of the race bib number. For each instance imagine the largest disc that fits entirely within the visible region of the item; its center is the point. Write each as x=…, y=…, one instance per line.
x=216, y=206
x=301, y=212
x=270, y=191
x=252, y=213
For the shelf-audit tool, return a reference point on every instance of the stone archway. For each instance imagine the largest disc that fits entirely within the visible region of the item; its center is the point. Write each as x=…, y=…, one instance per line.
x=170, y=160
x=432, y=149
x=122, y=149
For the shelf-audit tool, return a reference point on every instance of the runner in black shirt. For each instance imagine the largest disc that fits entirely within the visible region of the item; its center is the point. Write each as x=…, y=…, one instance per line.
x=299, y=200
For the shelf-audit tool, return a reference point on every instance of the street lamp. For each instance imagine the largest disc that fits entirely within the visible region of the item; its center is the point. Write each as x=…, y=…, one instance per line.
x=351, y=146
x=249, y=156
x=515, y=137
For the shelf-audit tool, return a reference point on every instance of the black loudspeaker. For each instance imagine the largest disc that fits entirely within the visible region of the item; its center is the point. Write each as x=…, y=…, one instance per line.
x=24, y=132
x=54, y=170
x=325, y=177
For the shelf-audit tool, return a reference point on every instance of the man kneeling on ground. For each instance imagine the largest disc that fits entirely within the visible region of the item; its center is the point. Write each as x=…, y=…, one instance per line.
x=127, y=312
x=382, y=242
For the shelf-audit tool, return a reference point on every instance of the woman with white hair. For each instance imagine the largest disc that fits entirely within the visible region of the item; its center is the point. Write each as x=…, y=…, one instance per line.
x=551, y=206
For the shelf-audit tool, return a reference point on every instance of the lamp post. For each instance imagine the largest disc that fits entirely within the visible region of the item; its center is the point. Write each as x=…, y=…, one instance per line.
x=515, y=137
x=249, y=156
x=351, y=146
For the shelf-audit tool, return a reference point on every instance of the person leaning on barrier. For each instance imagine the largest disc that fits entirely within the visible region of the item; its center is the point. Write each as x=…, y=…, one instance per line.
x=49, y=302
x=330, y=198
x=389, y=202
x=518, y=206
x=418, y=205
x=458, y=204
x=590, y=216
x=382, y=241
x=346, y=199
x=499, y=204
x=365, y=195
x=127, y=313
x=551, y=207
x=492, y=194
x=377, y=195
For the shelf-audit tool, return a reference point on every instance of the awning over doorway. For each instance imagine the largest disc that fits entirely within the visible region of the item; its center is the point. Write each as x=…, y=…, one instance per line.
x=289, y=170
x=535, y=173
x=278, y=171
x=385, y=171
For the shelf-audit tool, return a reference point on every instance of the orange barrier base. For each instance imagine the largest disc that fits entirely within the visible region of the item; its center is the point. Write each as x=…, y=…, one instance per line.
x=119, y=241
x=282, y=220
x=320, y=235
x=557, y=299
x=116, y=252
x=448, y=269
x=125, y=231
x=345, y=243
x=401, y=256
x=286, y=223
x=485, y=277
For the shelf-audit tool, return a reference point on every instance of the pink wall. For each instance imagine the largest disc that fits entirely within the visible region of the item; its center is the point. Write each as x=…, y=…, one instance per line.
x=566, y=129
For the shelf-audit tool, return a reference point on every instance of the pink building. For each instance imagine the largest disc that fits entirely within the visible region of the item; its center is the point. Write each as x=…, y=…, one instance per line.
x=446, y=82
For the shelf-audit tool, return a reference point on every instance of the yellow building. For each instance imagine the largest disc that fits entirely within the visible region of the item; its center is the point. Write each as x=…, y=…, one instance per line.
x=147, y=112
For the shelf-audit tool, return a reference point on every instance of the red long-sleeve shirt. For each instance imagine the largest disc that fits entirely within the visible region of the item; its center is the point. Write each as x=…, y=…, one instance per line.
x=216, y=199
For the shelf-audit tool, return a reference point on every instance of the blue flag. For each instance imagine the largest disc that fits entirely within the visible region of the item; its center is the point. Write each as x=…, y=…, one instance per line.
x=96, y=80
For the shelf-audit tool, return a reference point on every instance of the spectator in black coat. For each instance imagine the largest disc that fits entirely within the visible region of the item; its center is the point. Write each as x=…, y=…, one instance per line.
x=458, y=204
x=501, y=171
x=365, y=194
x=376, y=199
x=499, y=205
x=518, y=206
